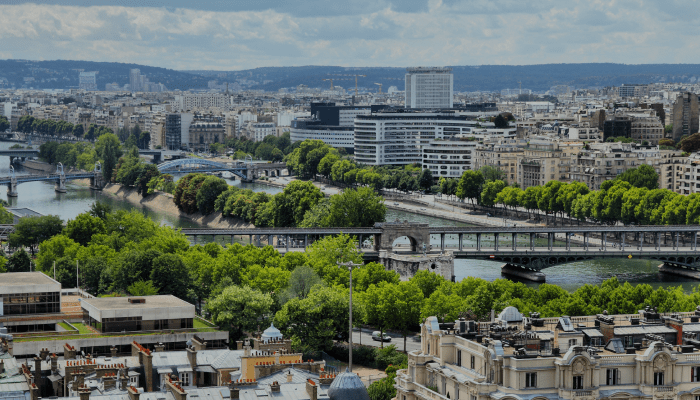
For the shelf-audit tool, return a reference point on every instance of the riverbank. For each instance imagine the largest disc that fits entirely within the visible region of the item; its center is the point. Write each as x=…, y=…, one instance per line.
x=163, y=203
x=40, y=166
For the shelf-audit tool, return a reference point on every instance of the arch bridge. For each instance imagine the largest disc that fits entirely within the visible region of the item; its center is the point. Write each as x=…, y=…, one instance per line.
x=524, y=251
x=246, y=171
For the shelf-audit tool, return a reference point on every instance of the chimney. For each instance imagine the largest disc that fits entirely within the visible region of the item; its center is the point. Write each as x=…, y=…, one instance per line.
x=192, y=358
x=84, y=393
x=176, y=390
x=235, y=393
x=289, y=377
x=275, y=387
x=124, y=380
x=37, y=371
x=159, y=347
x=79, y=377
x=677, y=324
x=43, y=353
x=133, y=393
x=148, y=370
x=68, y=352
x=110, y=380
x=113, y=351
x=54, y=362
x=198, y=343
x=33, y=392
x=607, y=328
x=311, y=389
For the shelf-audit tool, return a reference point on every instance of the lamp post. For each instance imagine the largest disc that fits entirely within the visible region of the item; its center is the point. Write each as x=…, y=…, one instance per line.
x=350, y=265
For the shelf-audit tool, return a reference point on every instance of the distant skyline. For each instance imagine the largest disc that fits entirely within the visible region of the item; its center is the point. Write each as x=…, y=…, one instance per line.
x=235, y=34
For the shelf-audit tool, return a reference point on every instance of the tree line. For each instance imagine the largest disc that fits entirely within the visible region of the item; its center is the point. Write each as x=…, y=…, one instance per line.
x=107, y=150
x=271, y=148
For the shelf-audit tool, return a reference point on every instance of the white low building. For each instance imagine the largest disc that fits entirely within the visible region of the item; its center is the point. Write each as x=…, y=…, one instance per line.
x=449, y=158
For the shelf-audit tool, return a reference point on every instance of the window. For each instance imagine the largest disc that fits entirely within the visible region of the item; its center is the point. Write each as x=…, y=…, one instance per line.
x=185, y=379
x=459, y=358
x=531, y=379
x=658, y=378
x=572, y=342
x=695, y=374
x=473, y=362
x=578, y=382
x=612, y=376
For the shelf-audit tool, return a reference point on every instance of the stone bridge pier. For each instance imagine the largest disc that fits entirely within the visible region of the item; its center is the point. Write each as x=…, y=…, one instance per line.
x=97, y=181
x=419, y=258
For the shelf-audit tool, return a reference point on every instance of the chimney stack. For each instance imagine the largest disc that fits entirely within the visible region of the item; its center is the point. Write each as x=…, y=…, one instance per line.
x=133, y=393
x=113, y=351
x=84, y=393
x=159, y=347
x=68, y=352
x=312, y=389
x=54, y=362
x=37, y=371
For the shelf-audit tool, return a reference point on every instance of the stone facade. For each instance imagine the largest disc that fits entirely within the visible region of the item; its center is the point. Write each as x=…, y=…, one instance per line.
x=408, y=264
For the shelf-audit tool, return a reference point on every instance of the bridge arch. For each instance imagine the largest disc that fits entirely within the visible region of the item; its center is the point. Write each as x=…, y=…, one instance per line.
x=186, y=165
x=417, y=234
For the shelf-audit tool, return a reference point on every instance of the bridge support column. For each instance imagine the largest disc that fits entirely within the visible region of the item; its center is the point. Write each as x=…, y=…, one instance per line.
x=478, y=242
x=568, y=241
x=522, y=273
x=495, y=241
x=232, y=236
x=676, y=244
x=641, y=241
x=622, y=244
x=550, y=241
x=270, y=240
x=442, y=242
x=515, y=241
x=460, y=237
x=250, y=239
x=605, y=240
x=585, y=240
x=258, y=239
x=532, y=241
x=286, y=242
x=306, y=241
x=695, y=241
x=61, y=184
x=12, y=188
x=657, y=242
x=194, y=240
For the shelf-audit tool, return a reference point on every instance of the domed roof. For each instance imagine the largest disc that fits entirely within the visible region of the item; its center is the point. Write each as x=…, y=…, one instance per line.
x=271, y=333
x=347, y=386
x=510, y=314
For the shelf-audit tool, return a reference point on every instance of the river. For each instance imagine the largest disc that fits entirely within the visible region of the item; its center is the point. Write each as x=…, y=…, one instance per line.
x=41, y=197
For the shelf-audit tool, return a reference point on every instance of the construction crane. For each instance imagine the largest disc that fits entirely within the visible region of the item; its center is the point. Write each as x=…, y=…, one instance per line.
x=330, y=79
x=356, y=76
x=380, y=87
x=335, y=79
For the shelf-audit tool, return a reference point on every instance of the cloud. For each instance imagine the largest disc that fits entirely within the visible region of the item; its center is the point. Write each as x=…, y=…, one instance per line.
x=236, y=34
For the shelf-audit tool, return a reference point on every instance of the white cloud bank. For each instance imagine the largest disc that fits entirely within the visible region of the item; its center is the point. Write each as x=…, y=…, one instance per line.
x=466, y=32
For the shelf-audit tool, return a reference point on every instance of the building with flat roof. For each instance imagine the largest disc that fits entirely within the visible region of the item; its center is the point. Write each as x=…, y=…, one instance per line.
x=23, y=293
x=429, y=87
x=132, y=314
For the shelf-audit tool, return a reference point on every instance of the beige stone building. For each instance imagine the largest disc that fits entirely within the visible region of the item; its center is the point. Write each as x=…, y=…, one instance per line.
x=502, y=155
x=546, y=160
x=644, y=356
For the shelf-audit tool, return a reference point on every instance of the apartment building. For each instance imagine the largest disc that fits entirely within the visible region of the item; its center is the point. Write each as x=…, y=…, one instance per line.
x=449, y=158
x=262, y=129
x=643, y=356
x=503, y=155
x=185, y=102
x=429, y=87
x=205, y=130
x=545, y=160
x=685, y=115
x=395, y=137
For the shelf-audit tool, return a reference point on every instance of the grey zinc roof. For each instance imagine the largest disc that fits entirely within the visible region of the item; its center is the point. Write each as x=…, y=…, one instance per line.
x=218, y=359
x=298, y=376
x=643, y=329
x=27, y=278
x=289, y=391
x=120, y=303
x=593, y=333
x=348, y=386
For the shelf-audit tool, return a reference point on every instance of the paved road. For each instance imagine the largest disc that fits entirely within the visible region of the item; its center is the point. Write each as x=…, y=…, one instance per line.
x=365, y=338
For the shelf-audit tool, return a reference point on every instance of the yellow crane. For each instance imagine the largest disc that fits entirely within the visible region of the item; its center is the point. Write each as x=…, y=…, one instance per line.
x=353, y=75
x=380, y=87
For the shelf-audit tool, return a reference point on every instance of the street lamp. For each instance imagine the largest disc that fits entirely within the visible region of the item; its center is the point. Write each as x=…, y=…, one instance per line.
x=350, y=265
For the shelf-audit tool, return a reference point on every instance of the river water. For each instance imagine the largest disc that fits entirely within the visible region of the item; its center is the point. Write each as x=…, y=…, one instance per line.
x=41, y=197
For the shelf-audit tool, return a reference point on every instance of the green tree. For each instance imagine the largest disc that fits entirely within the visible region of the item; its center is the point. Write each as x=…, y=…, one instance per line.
x=644, y=175
x=210, y=189
x=292, y=204
x=148, y=172
x=426, y=179
x=238, y=309
x=4, y=124
x=302, y=279
x=490, y=192
x=326, y=164
x=170, y=276
x=500, y=122
x=340, y=168
x=324, y=254
x=142, y=288
x=108, y=150
x=427, y=282
x=30, y=231
x=469, y=186
x=18, y=262
x=185, y=196
x=314, y=321
x=372, y=274
x=360, y=207
x=492, y=173
x=83, y=227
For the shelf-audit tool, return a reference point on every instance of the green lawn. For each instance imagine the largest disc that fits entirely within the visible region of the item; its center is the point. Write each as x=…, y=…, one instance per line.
x=65, y=326
x=82, y=329
x=198, y=323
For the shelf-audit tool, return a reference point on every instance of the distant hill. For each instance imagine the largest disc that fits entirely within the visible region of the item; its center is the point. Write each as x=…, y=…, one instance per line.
x=64, y=74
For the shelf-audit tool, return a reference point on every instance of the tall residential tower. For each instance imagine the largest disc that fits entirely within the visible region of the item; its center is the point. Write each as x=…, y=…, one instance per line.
x=429, y=87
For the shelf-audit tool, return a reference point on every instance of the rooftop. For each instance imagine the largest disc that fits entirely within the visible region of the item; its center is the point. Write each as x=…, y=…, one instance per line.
x=128, y=303
x=26, y=279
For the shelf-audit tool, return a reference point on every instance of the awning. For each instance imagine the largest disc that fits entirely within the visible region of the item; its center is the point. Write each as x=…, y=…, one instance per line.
x=205, y=368
x=184, y=369
x=166, y=370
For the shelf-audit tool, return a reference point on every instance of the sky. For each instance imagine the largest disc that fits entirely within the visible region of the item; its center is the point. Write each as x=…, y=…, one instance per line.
x=241, y=34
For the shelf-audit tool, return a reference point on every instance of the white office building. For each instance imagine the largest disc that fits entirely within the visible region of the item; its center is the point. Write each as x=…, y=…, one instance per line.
x=429, y=87
x=336, y=136
x=186, y=102
x=396, y=138
x=449, y=158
